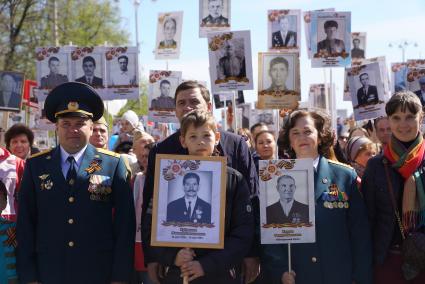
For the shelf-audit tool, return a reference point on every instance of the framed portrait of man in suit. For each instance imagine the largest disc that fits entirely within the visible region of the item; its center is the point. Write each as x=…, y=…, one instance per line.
x=367, y=91
x=278, y=80
x=284, y=29
x=287, y=201
x=11, y=90
x=88, y=67
x=214, y=16
x=189, y=201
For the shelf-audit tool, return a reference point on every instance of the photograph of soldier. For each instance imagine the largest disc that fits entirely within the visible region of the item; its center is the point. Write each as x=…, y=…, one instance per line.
x=357, y=52
x=232, y=63
x=367, y=94
x=10, y=90
x=168, y=33
x=89, y=66
x=53, y=78
x=278, y=71
x=123, y=77
x=287, y=209
x=421, y=92
x=164, y=101
x=190, y=207
x=285, y=36
x=215, y=17
x=331, y=45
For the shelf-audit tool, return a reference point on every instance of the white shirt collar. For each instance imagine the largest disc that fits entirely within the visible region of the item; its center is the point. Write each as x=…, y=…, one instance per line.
x=316, y=163
x=77, y=156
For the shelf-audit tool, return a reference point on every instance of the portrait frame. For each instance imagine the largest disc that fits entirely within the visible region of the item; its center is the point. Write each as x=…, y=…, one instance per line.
x=398, y=76
x=319, y=97
x=321, y=58
x=43, y=54
x=120, y=85
x=245, y=114
x=307, y=27
x=222, y=99
x=276, y=99
x=300, y=224
x=362, y=36
x=292, y=42
x=268, y=116
x=239, y=43
x=17, y=91
x=170, y=50
x=369, y=110
x=99, y=75
x=204, y=27
x=415, y=70
x=169, y=171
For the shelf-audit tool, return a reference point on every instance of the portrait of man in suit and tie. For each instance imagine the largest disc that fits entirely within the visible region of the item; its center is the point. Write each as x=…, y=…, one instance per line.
x=190, y=207
x=169, y=31
x=357, y=52
x=10, y=93
x=287, y=209
x=331, y=45
x=89, y=66
x=53, y=79
x=367, y=94
x=284, y=37
x=421, y=92
x=215, y=17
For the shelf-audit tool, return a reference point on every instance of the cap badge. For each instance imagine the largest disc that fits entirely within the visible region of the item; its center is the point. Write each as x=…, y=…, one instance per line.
x=73, y=106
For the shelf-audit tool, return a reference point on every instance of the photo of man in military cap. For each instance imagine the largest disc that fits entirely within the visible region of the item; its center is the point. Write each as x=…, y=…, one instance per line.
x=76, y=214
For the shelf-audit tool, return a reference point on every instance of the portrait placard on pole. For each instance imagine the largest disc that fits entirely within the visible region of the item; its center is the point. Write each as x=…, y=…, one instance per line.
x=287, y=205
x=180, y=180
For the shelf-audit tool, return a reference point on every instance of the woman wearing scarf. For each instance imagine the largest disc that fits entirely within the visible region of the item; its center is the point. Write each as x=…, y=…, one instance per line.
x=397, y=177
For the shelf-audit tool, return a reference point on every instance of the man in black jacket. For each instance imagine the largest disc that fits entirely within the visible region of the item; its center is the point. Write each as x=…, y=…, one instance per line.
x=367, y=94
x=191, y=95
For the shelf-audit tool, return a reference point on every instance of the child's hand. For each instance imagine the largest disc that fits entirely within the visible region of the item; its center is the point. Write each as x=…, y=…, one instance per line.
x=288, y=277
x=184, y=255
x=192, y=269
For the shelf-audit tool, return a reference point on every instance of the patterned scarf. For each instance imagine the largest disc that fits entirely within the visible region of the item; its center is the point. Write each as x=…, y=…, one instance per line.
x=407, y=162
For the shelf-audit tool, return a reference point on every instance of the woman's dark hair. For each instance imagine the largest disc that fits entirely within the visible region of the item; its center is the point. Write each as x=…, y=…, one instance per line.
x=18, y=129
x=322, y=124
x=124, y=147
x=261, y=133
x=403, y=100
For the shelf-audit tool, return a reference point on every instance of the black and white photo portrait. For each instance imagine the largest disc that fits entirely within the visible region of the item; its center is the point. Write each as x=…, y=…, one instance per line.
x=55, y=75
x=215, y=14
x=168, y=35
x=333, y=43
x=11, y=86
x=122, y=75
x=287, y=209
x=367, y=93
x=190, y=207
x=278, y=71
x=89, y=70
x=421, y=92
x=286, y=35
x=232, y=62
x=164, y=100
x=357, y=52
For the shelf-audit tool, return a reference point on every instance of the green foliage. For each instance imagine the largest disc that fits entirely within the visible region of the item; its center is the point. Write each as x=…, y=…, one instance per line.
x=139, y=106
x=27, y=24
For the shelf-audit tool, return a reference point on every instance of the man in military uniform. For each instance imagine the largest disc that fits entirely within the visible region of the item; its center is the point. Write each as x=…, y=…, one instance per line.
x=231, y=64
x=76, y=215
x=215, y=18
x=278, y=72
x=357, y=52
x=164, y=101
x=284, y=37
x=99, y=138
x=331, y=45
x=54, y=78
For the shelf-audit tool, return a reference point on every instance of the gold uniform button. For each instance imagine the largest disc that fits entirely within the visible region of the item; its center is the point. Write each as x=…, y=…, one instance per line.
x=71, y=199
x=314, y=259
x=71, y=244
x=70, y=221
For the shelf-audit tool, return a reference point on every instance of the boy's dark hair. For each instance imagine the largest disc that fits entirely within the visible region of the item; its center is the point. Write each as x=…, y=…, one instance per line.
x=197, y=118
x=257, y=125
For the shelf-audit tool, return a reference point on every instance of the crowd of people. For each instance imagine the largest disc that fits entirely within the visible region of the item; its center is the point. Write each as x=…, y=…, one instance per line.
x=83, y=213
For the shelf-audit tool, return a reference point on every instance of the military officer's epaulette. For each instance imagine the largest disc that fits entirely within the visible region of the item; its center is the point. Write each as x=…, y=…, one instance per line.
x=40, y=153
x=341, y=164
x=107, y=152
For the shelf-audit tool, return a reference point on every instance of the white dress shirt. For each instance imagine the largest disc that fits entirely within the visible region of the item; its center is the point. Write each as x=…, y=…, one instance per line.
x=78, y=157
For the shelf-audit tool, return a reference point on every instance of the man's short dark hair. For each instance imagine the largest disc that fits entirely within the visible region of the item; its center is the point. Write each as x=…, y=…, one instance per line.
x=191, y=175
x=89, y=59
x=330, y=24
x=356, y=39
x=278, y=60
x=170, y=19
x=361, y=75
x=164, y=82
x=123, y=56
x=257, y=125
x=53, y=58
x=189, y=85
x=377, y=120
x=287, y=177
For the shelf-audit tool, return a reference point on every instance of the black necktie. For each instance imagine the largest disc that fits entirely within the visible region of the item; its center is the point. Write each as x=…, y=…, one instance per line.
x=189, y=210
x=72, y=173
